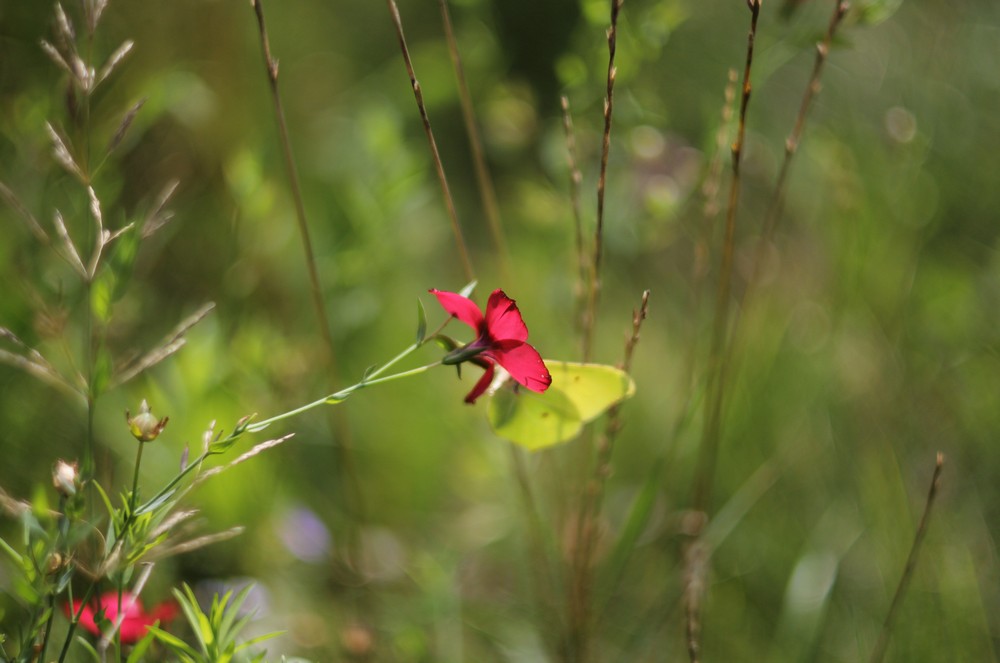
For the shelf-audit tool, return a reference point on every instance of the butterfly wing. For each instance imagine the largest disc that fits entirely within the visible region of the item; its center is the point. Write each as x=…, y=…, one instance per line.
x=579, y=393
x=592, y=388
x=533, y=420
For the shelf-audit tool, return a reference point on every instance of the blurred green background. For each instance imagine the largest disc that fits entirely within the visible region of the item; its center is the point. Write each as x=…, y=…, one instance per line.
x=872, y=344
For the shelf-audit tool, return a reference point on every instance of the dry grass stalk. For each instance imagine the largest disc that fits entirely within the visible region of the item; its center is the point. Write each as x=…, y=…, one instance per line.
x=878, y=653
x=29, y=219
x=588, y=530
x=544, y=580
x=716, y=367
x=595, y=277
x=418, y=95
x=170, y=344
x=708, y=450
x=257, y=449
x=338, y=423
x=158, y=216
x=484, y=179
x=776, y=204
x=575, y=180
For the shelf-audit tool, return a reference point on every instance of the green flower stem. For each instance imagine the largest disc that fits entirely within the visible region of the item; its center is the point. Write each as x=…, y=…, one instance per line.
x=14, y=555
x=135, y=480
x=416, y=346
x=76, y=620
x=341, y=395
x=332, y=399
x=63, y=528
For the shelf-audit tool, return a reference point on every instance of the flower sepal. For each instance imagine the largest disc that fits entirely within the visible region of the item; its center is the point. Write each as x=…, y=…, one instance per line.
x=465, y=353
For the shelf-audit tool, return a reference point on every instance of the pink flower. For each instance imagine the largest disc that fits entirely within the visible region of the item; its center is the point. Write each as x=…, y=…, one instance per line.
x=501, y=337
x=136, y=620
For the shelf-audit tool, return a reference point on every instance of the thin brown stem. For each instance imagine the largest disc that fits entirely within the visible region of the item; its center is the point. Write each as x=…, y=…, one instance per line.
x=776, y=204
x=575, y=179
x=337, y=421
x=710, y=209
x=595, y=277
x=911, y=563
x=696, y=555
x=543, y=588
x=717, y=365
x=484, y=180
x=588, y=529
x=293, y=182
x=695, y=569
x=418, y=94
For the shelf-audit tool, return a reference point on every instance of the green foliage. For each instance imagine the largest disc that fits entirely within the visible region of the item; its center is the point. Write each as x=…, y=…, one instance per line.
x=217, y=634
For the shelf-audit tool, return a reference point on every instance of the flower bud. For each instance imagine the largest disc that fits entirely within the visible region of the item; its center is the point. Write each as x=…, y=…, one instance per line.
x=66, y=478
x=144, y=426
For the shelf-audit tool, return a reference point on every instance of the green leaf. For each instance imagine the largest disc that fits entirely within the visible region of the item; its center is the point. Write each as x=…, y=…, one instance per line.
x=421, y=322
x=89, y=648
x=13, y=554
x=173, y=642
x=156, y=502
x=257, y=640
x=104, y=497
x=579, y=393
x=205, y=628
x=140, y=648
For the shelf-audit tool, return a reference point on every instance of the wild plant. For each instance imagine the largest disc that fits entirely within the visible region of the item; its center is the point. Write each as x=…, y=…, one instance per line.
x=93, y=551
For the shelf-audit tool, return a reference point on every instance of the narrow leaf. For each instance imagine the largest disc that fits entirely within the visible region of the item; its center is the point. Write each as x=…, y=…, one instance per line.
x=421, y=322
x=139, y=651
x=89, y=648
x=155, y=503
x=173, y=642
x=257, y=640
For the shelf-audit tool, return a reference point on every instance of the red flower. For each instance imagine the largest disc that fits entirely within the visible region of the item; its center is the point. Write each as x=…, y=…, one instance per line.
x=136, y=620
x=501, y=337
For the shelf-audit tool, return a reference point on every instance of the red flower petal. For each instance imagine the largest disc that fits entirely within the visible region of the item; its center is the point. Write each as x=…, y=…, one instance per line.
x=503, y=319
x=523, y=363
x=86, y=617
x=133, y=627
x=461, y=307
x=482, y=385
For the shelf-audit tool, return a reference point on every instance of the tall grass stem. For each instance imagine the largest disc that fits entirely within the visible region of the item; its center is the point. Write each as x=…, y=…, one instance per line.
x=484, y=179
x=338, y=423
x=575, y=180
x=696, y=561
x=588, y=530
x=882, y=644
x=456, y=228
x=609, y=99
x=717, y=366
